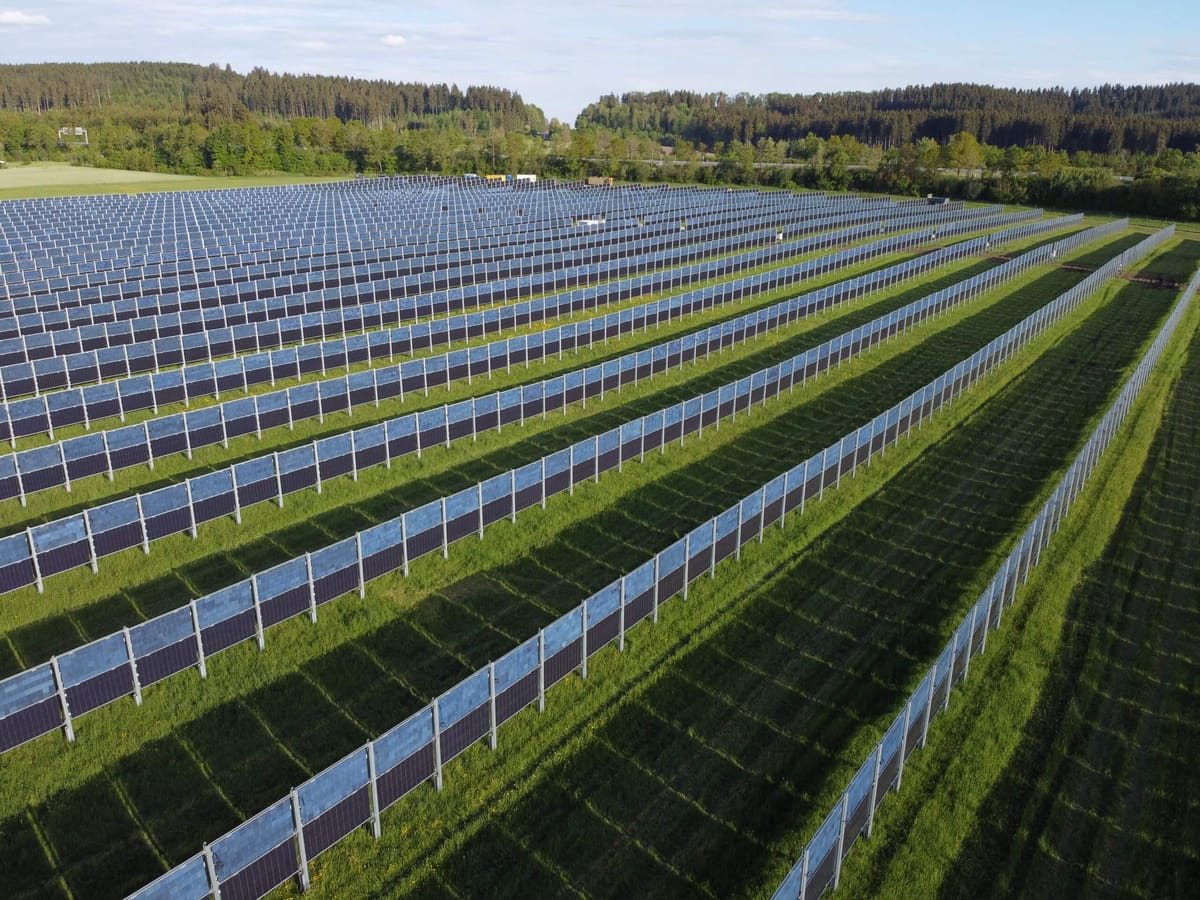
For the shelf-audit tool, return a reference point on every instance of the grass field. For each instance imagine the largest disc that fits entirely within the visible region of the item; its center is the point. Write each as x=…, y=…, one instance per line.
x=181, y=564
x=1080, y=729
x=699, y=761
x=1107, y=758
x=303, y=721
x=51, y=179
x=695, y=779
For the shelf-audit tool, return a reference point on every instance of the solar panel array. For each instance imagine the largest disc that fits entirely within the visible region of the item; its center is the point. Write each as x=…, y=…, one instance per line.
x=214, y=316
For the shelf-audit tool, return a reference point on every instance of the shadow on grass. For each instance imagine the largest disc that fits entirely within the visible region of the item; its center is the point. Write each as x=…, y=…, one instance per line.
x=54, y=634
x=689, y=782
x=1099, y=789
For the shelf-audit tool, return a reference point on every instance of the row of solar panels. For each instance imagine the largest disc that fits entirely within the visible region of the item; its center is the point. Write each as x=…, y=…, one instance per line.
x=399, y=262
x=233, y=227
x=41, y=468
x=323, y=344
x=277, y=844
x=188, y=343
x=461, y=288
x=242, y=611
x=46, y=697
x=383, y=247
x=80, y=539
x=377, y=236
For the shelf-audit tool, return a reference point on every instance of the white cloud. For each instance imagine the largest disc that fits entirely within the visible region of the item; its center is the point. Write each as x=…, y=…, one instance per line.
x=394, y=40
x=14, y=18
x=819, y=12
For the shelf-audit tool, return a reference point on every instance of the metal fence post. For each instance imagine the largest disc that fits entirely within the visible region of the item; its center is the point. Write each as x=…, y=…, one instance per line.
x=302, y=855
x=210, y=870
x=437, y=746
x=133, y=672
x=312, y=589
x=904, y=738
x=68, y=728
x=362, y=581
x=492, y=705
x=970, y=640
x=687, y=561
x=583, y=642
x=258, y=622
x=737, y=544
x=621, y=619
x=200, y=663
x=145, y=533
x=929, y=704
x=541, y=698
x=950, y=674
x=404, y=544
x=445, y=532
x=87, y=528
x=654, y=613
x=874, y=788
x=841, y=842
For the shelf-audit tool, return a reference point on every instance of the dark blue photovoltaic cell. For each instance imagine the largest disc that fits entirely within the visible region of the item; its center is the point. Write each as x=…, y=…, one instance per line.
x=297, y=459
x=563, y=631
x=333, y=785
x=751, y=507
x=423, y=518
x=608, y=442
x=515, y=664
x=528, y=475
x=61, y=533
x=16, y=562
x=61, y=545
x=172, y=498
x=463, y=503
x=281, y=579
x=603, y=603
x=431, y=420
x=211, y=486
x=402, y=430
x=673, y=557
x=252, y=839
x=394, y=746
x=161, y=631
x=464, y=697
x=25, y=689
x=557, y=462
x=638, y=581
x=380, y=538
x=92, y=659
x=334, y=558
x=228, y=602
x=333, y=447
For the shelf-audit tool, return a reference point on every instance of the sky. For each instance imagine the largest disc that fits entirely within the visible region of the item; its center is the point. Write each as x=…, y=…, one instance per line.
x=564, y=55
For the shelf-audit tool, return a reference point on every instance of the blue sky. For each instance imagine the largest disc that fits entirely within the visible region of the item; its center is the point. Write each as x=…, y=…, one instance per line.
x=563, y=55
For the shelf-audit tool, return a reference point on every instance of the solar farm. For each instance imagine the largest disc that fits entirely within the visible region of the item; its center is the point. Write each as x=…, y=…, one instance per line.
x=420, y=536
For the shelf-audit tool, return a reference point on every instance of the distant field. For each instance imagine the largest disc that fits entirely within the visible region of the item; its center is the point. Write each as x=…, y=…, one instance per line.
x=54, y=179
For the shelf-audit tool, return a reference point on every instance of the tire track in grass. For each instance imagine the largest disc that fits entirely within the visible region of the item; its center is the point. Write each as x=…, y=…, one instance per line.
x=228, y=751
x=1100, y=796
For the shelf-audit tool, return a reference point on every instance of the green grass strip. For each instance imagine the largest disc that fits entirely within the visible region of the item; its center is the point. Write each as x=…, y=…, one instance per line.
x=298, y=708
x=971, y=820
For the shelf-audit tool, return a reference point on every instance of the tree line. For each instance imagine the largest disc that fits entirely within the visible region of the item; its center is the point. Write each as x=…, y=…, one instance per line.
x=209, y=120
x=1106, y=119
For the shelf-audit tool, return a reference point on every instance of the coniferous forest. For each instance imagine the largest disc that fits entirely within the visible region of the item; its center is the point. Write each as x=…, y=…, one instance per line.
x=1124, y=149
